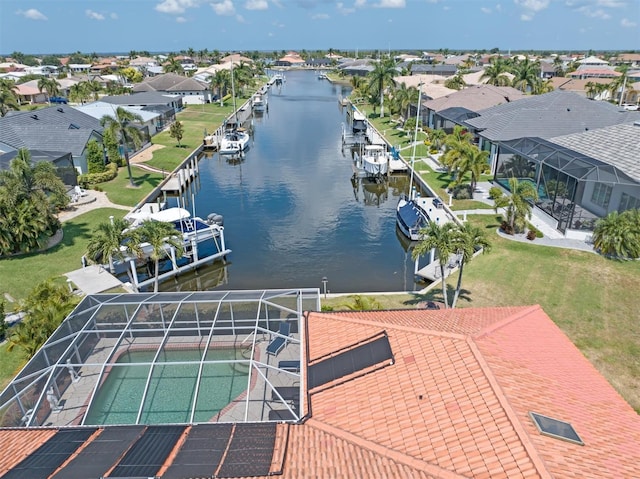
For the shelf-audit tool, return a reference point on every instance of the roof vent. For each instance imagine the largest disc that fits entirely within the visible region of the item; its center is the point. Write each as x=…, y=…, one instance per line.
x=555, y=428
x=35, y=117
x=60, y=110
x=568, y=109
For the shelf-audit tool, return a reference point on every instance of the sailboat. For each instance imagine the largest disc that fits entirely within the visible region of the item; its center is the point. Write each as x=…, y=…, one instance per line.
x=235, y=139
x=411, y=213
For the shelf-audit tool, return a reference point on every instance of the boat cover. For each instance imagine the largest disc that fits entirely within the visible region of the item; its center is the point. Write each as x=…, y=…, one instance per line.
x=412, y=216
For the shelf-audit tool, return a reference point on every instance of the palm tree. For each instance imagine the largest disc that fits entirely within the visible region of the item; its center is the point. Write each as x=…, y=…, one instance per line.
x=543, y=86
x=619, y=85
x=362, y=303
x=558, y=66
x=518, y=203
x=495, y=72
x=106, y=240
x=526, y=75
x=436, y=137
x=8, y=96
x=173, y=66
x=455, y=147
x=221, y=81
x=476, y=163
x=79, y=93
x=468, y=239
x=126, y=133
x=456, y=82
x=93, y=87
x=29, y=198
x=380, y=78
x=618, y=234
x=49, y=85
x=443, y=239
x=161, y=237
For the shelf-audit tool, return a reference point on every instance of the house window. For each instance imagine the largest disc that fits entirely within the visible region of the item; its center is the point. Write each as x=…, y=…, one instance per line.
x=601, y=195
x=628, y=202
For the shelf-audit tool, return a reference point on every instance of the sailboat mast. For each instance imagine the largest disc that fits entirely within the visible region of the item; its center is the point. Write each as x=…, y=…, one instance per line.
x=233, y=93
x=415, y=140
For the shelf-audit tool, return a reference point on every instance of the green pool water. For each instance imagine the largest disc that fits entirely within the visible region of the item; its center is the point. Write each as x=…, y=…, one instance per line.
x=172, y=388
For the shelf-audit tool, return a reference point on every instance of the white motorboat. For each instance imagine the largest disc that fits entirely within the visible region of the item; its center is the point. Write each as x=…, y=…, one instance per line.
x=359, y=127
x=235, y=139
x=372, y=160
x=412, y=216
x=259, y=103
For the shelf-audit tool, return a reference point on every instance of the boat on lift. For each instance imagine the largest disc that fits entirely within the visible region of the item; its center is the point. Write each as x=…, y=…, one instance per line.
x=372, y=161
x=259, y=103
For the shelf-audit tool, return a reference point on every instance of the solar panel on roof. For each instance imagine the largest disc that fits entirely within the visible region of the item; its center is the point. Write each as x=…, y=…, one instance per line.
x=250, y=452
x=201, y=452
x=556, y=428
x=48, y=457
x=350, y=361
x=101, y=453
x=148, y=454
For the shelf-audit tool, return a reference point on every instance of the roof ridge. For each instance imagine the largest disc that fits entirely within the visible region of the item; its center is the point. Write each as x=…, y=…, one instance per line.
x=381, y=450
x=385, y=325
x=526, y=441
x=524, y=311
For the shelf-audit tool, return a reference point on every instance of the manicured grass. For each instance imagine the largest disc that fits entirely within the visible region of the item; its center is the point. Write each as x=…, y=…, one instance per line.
x=10, y=364
x=586, y=295
x=119, y=191
x=21, y=273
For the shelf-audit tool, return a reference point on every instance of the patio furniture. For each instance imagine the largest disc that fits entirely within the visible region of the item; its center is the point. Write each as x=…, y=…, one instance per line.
x=291, y=366
x=276, y=345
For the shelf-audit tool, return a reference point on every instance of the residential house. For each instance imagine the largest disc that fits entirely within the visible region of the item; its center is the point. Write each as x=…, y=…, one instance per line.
x=29, y=92
x=75, y=68
x=291, y=59
x=191, y=90
x=444, y=394
x=433, y=69
x=58, y=128
x=453, y=109
x=156, y=102
x=152, y=121
x=352, y=67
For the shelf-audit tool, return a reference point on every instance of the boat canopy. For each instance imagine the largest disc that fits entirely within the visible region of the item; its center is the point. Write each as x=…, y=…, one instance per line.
x=412, y=216
x=170, y=215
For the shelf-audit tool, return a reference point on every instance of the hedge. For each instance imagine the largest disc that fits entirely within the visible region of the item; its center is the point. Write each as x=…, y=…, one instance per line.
x=95, y=178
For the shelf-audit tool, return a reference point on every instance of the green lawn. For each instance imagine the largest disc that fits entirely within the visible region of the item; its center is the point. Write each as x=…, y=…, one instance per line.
x=18, y=275
x=10, y=364
x=119, y=191
x=586, y=295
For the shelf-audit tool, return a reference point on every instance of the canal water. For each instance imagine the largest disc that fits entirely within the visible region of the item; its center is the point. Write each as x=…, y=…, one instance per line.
x=293, y=215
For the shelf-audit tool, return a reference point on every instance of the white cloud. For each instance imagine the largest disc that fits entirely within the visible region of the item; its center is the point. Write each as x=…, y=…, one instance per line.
x=175, y=6
x=320, y=16
x=359, y=3
x=32, y=14
x=533, y=5
x=610, y=3
x=526, y=17
x=181, y=20
x=485, y=10
x=114, y=16
x=240, y=19
x=94, y=15
x=392, y=4
x=625, y=22
x=344, y=10
x=256, y=5
x=594, y=12
x=278, y=24
x=225, y=7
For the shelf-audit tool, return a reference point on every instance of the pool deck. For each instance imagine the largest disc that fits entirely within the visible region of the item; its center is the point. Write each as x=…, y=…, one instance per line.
x=252, y=407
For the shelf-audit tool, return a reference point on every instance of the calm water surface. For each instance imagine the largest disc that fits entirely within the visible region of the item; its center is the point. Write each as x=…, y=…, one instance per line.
x=292, y=213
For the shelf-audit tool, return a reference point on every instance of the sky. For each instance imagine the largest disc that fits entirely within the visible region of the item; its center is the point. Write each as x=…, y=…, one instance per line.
x=101, y=26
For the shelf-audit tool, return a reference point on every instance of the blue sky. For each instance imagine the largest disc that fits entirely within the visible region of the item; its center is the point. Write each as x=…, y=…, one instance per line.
x=62, y=26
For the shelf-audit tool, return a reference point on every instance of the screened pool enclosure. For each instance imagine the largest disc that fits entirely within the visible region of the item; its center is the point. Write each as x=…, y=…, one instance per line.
x=167, y=358
x=573, y=189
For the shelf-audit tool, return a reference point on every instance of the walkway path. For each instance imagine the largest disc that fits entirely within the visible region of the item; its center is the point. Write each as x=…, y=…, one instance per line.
x=100, y=201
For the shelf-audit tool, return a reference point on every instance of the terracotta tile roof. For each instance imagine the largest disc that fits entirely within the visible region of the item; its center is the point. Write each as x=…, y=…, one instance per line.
x=19, y=443
x=454, y=404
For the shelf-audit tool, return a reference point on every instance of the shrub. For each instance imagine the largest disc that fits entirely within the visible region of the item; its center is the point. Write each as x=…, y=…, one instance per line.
x=539, y=234
x=531, y=235
x=495, y=192
x=462, y=192
x=92, y=178
x=506, y=227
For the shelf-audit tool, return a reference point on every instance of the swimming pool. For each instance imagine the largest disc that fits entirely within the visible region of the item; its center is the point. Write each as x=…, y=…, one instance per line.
x=172, y=388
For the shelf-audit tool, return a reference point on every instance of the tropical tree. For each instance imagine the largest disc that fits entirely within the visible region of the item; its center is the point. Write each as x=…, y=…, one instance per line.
x=455, y=147
x=518, y=203
x=93, y=87
x=443, y=239
x=495, y=72
x=618, y=234
x=107, y=239
x=50, y=86
x=45, y=308
x=173, y=66
x=468, y=239
x=176, y=131
x=78, y=93
x=221, y=82
x=543, y=86
x=29, y=198
x=456, y=82
x=526, y=75
x=121, y=128
x=618, y=86
x=161, y=237
x=131, y=75
x=558, y=66
x=381, y=78
x=470, y=159
x=436, y=137
x=8, y=96
x=95, y=157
